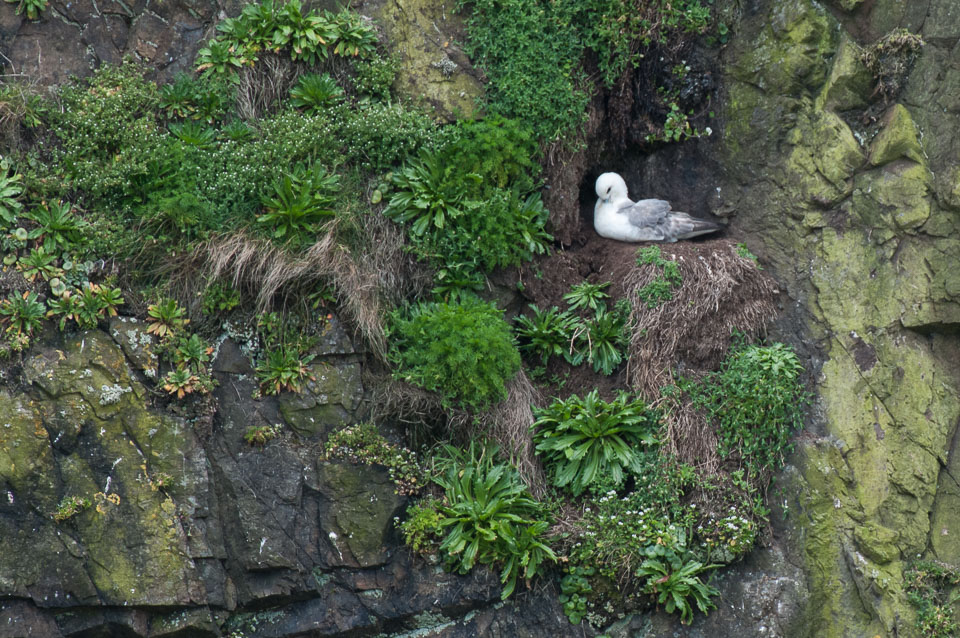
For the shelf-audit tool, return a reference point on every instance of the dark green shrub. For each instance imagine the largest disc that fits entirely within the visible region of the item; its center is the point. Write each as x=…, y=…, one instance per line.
x=464, y=351
x=675, y=581
x=299, y=202
x=375, y=77
x=504, y=152
x=547, y=333
x=928, y=585
x=581, y=440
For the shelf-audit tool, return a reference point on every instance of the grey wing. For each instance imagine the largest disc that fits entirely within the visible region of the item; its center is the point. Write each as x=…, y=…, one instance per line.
x=650, y=216
x=683, y=226
x=646, y=212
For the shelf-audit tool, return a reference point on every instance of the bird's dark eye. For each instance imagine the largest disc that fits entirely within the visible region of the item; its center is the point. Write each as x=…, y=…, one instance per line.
x=608, y=188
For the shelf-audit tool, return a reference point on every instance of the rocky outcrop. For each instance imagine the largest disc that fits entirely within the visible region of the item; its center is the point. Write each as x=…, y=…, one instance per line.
x=850, y=199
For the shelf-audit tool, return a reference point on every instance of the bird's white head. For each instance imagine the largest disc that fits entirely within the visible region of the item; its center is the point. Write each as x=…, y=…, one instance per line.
x=611, y=187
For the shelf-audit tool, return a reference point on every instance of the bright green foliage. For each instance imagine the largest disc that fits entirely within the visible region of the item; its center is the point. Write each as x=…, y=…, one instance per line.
x=22, y=313
x=299, y=202
x=192, y=353
x=605, y=340
x=11, y=188
x=429, y=193
x=490, y=518
x=587, y=295
x=38, y=263
x=457, y=226
x=675, y=581
x=530, y=51
x=756, y=401
x=166, y=318
x=57, y=227
x=376, y=135
x=661, y=289
x=375, y=76
x=71, y=506
x=194, y=134
x=503, y=151
x=203, y=99
x=581, y=440
x=574, y=588
x=315, y=92
x=547, y=333
x=32, y=8
x=219, y=297
x=931, y=588
x=283, y=368
x=464, y=351
x=363, y=443
x=86, y=305
x=310, y=37
x=423, y=527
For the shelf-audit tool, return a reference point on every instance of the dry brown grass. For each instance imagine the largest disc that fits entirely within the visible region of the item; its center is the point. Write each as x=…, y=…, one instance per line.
x=508, y=425
x=263, y=86
x=367, y=283
x=722, y=292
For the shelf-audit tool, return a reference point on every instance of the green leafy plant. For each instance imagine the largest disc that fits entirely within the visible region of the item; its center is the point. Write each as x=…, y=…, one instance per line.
x=22, y=313
x=463, y=350
x=574, y=588
x=192, y=354
x=11, y=188
x=315, y=92
x=181, y=382
x=581, y=440
x=220, y=56
x=194, y=134
x=661, y=288
x=259, y=436
x=931, y=588
x=57, y=228
x=675, y=581
x=547, y=333
x=490, y=518
x=587, y=295
x=605, y=339
x=756, y=401
x=31, y=8
x=70, y=506
x=354, y=36
x=283, y=368
x=300, y=200
x=166, y=318
x=375, y=76
x=429, y=192
x=86, y=305
x=363, y=443
x=37, y=263
x=219, y=297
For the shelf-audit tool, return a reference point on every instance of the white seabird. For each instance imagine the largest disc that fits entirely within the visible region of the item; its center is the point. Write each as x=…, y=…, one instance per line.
x=617, y=217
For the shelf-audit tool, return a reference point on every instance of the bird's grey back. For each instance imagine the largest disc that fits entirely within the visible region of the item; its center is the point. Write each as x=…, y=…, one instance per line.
x=659, y=223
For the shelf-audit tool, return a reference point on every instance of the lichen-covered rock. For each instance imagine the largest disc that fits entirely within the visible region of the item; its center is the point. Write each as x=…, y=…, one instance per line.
x=849, y=84
x=897, y=138
x=433, y=70
x=357, y=515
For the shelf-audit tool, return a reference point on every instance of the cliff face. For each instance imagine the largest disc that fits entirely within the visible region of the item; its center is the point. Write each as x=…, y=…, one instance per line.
x=852, y=199
x=850, y=195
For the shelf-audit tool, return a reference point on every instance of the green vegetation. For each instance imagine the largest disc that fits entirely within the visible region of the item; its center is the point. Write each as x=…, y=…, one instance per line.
x=675, y=581
x=464, y=351
x=487, y=517
x=71, y=506
x=756, y=401
x=531, y=51
x=259, y=436
x=581, y=440
x=661, y=288
x=599, y=340
x=32, y=8
x=931, y=588
x=362, y=443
